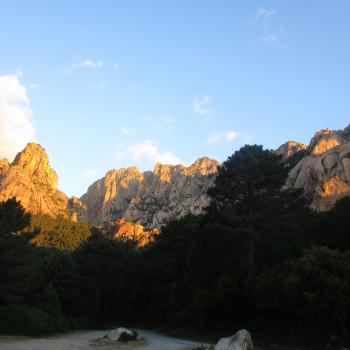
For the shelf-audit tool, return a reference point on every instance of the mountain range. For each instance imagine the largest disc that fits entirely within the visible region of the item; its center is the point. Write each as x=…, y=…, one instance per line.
x=152, y=198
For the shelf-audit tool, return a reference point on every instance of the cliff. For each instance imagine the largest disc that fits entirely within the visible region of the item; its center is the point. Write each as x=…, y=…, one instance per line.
x=150, y=198
x=34, y=183
x=324, y=171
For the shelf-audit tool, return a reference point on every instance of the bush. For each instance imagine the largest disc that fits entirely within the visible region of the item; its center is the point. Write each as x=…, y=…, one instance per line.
x=25, y=320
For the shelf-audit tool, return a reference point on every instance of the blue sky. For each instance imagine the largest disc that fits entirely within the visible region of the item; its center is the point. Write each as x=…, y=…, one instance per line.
x=109, y=84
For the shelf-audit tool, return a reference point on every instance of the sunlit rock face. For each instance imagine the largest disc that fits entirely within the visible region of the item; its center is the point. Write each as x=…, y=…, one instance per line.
x=290, y=148
x=34, y=161
x=325, y=140
x=324, y=173
x=129, y=231
x=77, y=210
x=33, y=182
x=151, y=198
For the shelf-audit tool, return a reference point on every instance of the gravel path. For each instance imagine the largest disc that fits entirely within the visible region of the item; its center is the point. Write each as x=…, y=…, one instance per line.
x=83, y=340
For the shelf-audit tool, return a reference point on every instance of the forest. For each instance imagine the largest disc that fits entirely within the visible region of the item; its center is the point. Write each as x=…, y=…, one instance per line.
x=258, y=258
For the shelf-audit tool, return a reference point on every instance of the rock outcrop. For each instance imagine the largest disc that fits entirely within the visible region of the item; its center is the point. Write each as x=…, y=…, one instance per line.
x=239, y=341
x=150, y=198
x=324, y=172
x=77, y=210
x=290, y=148
x=129, y=231
x=33, y=182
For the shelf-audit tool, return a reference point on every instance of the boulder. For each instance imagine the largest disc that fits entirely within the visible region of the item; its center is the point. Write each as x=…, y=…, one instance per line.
x=239, y=341
x=122, y=334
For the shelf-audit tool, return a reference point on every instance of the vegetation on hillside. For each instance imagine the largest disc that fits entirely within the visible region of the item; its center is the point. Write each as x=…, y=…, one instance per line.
x=59, y=233
x=257, y=259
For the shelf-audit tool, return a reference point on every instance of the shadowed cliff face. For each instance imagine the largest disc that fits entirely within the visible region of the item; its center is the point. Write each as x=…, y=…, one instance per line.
x=324, y=173
x=150, y=198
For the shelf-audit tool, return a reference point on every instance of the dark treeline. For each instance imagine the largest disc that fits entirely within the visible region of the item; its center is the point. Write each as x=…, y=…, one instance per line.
x=258, y=258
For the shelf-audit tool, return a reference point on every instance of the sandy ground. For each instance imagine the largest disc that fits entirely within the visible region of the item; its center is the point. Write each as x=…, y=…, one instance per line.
x=82, y=340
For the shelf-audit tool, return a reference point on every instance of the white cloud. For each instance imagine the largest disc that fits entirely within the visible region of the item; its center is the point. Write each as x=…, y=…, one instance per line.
x=90, y=173
x=101, y=84
x=146, y=150
x=228, y=136
x=201, y=105
x=16, y=128
x=125, y=131
x=84, y=64
x=231, y=135
x=116, y=66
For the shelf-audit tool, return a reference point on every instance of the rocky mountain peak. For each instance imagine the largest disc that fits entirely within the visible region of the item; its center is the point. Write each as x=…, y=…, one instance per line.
x=150, y=198
x=290, y=148
x=206, y=166
x=325, y=140
x=35, y=161
x=164, y=172
x=33, y=182
x=324, y=173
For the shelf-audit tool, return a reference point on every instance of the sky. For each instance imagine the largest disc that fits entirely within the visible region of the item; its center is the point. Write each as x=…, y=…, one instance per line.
x=108, y=84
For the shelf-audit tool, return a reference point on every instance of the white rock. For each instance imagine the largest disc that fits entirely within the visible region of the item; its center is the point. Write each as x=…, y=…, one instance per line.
x=240, y=341
x=115, y=334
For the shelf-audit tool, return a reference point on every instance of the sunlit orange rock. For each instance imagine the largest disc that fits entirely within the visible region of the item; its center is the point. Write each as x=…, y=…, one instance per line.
x=34, y=183
x=135, y=232
x=153, y=198
x=324, y=173
x=325, y=140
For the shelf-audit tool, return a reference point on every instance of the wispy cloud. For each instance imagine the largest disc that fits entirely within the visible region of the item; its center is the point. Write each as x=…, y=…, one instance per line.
x=116, y=66
x=34, y=86
x=270, y=39
x=101, y=84
x=16, y=127
x=161, y=122
x=228, y=136
x=201, y=105
x=264, y=13
x=90, y=173
x=147, y=151
x=120, y=155
x=88, y=63
x=214, y=138
x=125, y=131
x=270, y=35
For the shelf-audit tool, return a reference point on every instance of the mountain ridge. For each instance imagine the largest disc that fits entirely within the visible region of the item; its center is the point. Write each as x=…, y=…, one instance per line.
x=152, y=198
